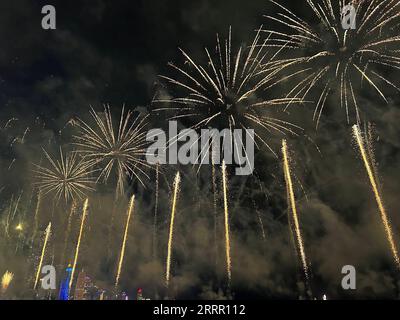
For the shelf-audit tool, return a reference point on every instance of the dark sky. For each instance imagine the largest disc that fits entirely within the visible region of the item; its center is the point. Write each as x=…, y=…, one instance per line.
x=106, y=52
x=110, y=52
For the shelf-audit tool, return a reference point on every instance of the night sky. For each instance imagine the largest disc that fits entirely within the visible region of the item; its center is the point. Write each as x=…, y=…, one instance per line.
x=111, y=52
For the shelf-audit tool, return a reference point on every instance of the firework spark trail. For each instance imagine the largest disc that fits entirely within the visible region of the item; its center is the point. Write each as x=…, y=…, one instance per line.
x=19, y=228
x=122, y=254
x=17, y=205
x=111, y=225
x=292, y=204
x=48, y=231
x=7, y=219
x=260, y=221
x=11, y=164
x=215, y=201
x=6, y=280
x=68, y=231
x=226, y=215
x=78, y=244
x=171, y=228
x=8, y=123
x=261, y=224
x=36, y=217
x=374, y=185
x=12, y=210
x=156, y=212
x=24, y=135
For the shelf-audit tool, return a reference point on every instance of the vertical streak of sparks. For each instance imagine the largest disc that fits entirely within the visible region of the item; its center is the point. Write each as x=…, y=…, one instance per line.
x=215, y=200
x=84, y=212
x=36, y=217
x=122, y=254
x=111, y=226
x=156, y=211
x=260, y=221
x=292, y=203
x=374, y=185
x=226, y=215
x=68, y=230
x=171, y=227
x=48, y=231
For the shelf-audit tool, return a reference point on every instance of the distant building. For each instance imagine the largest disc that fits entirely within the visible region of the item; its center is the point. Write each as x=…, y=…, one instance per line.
x=94, y=293
x=80, y=286
x=85, y=289
x=139, y=295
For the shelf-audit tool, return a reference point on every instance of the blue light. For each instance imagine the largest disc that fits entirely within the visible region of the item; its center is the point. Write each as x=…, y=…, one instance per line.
x=64, y=290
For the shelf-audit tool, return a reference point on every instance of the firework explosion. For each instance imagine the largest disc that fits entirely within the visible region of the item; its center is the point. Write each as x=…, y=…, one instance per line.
x=114, y=148
x=338, y=58
x=6, y=280
x=228, y=92
x=68, y=177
